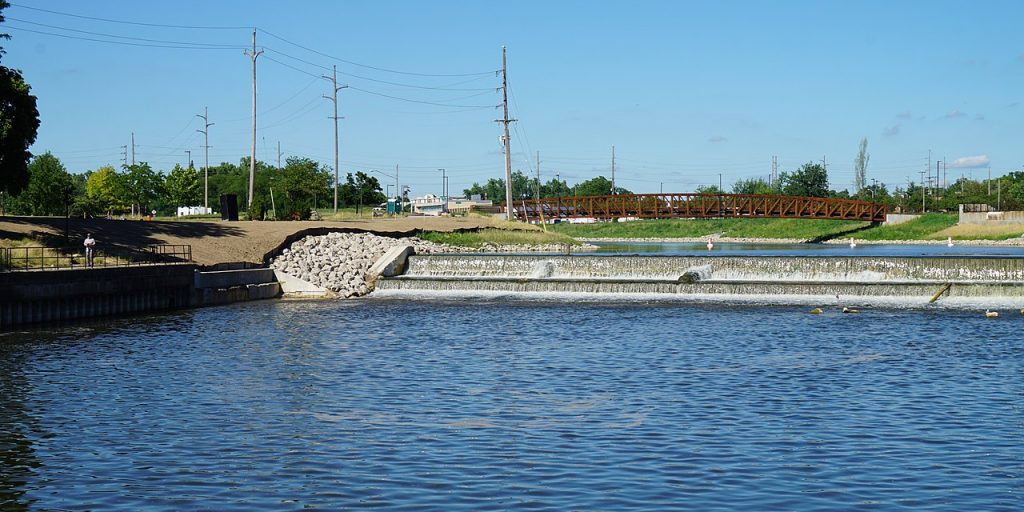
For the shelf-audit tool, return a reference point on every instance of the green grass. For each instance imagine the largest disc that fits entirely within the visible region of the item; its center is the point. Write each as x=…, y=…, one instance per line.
x=497, y=236
x=922, y=228
x=693, y=228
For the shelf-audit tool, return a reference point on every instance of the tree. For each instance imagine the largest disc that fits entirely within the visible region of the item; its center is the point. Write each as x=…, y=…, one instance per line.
x=49, y=190
x=183, y=187
x=860, y=166
x=811, y=180
x=494, y=189
x=296, y=185
x=709, y=189
x=599, y=186
x=19, y=124
x=142, y=186
x=754, y=186
x=104, y=188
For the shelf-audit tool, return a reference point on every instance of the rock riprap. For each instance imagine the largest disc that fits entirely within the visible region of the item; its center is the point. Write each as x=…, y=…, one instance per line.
x=339, y=261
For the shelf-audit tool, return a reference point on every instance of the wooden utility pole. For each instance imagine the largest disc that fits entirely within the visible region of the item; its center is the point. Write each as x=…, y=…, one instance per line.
x=612, y=191
x=334, y=99
x=506, y=139
x=252, y=154
x=206, y=146
x=538, y=175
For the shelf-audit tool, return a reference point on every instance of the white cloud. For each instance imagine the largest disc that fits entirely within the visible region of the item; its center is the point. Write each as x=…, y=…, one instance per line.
x=979, y=117
x=904, y=115
x=970, y=162
x=717, y=139
x=955, y=113
x=891, y=131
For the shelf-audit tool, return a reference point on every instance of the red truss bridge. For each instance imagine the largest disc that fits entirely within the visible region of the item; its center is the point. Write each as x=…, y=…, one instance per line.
x=700, y=206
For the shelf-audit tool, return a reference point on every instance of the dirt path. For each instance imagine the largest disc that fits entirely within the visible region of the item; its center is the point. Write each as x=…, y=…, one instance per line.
x=213, y=241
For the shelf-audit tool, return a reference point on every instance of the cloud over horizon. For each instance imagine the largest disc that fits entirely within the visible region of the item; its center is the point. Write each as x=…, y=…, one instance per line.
x=906, y=114
x=969, y=162
x=717, y=139
x=955, y=113
x=892, y=131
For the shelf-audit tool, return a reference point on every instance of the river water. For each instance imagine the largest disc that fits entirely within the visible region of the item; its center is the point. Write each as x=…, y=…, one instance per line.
x=494, y=404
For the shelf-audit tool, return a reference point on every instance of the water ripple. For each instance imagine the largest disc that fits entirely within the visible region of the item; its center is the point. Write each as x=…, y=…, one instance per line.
x=414, y=405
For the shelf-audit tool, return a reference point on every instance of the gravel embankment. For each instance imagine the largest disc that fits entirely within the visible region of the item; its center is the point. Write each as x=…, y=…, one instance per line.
x=339, y=261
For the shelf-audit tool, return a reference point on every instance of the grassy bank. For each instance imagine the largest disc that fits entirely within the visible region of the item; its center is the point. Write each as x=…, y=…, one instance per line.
x=498, y=236
x=925, y=227
x=735, y=228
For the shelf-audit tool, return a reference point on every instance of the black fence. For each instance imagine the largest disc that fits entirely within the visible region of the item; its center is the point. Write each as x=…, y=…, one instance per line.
x=51, y=258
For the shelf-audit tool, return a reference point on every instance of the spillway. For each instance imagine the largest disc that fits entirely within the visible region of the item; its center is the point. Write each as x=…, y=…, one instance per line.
x=680, y=276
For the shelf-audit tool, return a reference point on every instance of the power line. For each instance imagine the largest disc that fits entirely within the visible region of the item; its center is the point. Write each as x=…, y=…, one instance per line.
x=179, y=46
x=226, y=46
x=339, y=59
x=408, y=100
x=396, y=84
x=107, y=20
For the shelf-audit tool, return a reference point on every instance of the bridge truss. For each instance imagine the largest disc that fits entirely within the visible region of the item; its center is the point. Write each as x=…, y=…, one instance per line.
x=699, y=206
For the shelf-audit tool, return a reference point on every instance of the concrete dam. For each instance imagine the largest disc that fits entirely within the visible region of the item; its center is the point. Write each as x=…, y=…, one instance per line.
x=908, y=279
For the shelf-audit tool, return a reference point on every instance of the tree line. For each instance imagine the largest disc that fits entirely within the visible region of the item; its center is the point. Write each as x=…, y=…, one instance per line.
x=289, y=192
x=810, y=180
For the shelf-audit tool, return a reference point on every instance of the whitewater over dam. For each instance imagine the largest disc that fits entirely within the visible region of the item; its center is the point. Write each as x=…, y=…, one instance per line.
x=910, y=279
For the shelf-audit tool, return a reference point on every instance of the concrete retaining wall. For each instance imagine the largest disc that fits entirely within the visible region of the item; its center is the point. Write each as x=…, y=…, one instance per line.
x=66, y=295
x=992, y=218
x=899, y=218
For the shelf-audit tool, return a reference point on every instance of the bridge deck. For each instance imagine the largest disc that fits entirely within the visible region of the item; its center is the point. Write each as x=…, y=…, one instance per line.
x=706, y=206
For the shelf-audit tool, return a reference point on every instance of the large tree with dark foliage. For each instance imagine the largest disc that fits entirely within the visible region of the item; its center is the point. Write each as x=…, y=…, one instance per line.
x=810, y=180
x=19, y=122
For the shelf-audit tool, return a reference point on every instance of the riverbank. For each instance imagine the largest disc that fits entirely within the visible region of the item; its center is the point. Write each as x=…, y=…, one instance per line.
x=215, y=241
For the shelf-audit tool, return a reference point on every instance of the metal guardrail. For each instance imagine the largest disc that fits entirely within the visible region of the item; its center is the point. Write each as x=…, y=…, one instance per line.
x=51, y=258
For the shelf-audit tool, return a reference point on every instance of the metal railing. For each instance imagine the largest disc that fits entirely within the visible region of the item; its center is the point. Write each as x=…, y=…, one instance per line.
x=52, y=258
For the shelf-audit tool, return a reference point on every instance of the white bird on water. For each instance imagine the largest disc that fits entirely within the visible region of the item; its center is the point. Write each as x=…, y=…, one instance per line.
x=711, y=244
x=853, y=244
x=949, y=241
x=991, y=314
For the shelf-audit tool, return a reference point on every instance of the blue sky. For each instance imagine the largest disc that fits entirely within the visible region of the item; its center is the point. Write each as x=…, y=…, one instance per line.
x=683, y=90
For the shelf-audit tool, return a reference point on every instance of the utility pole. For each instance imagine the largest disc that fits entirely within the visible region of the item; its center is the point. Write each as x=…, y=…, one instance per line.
x=252, y=155
x=334, y=99
x=133, y=148
x=613, y=170
x=720, y=190
x=506, y=139
x=444, y=197
x=945, y=183
x=775, y=170
x=188, y=163
x=989, y=181
x=923, y=189
x=205, y=116
x=538, y=176
x=124, y=155
x=398, y=191
x=279, y=155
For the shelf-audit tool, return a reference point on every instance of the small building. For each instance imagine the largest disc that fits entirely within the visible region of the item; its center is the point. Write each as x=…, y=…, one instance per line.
x=431, y=204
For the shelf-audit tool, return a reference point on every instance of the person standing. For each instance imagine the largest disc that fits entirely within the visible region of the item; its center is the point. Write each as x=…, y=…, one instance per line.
x=90, y=242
